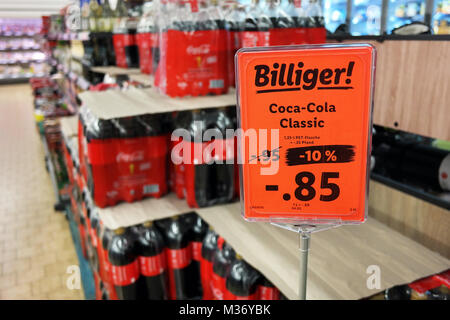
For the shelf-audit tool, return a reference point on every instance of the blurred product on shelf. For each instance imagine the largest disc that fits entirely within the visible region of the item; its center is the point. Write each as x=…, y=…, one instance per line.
x=19, y=26
x=403, y=12
x=19, y=44
x=242, y=281
x=441, y=17
x=366, y=17
x=20, y=50
x=147, y=39
x=411, y=159
x=153, y=283
x=335, y=13
x=209, y=179
x=123, y=159
x=21, y=57
x=124, y=39
x=435, y=287
x=222, y=260
x=49, y=102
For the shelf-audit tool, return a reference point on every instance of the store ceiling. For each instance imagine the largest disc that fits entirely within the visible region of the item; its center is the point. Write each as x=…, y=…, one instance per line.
x=31, y=8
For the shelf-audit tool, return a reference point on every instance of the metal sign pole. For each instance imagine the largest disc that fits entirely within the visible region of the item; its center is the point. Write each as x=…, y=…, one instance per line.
x=304, y=250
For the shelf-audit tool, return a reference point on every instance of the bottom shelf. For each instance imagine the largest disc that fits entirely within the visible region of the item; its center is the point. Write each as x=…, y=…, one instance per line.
x=339, y=258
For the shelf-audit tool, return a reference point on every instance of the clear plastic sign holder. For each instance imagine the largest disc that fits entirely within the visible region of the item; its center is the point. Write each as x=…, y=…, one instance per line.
x=322, y=175
x=304, y=232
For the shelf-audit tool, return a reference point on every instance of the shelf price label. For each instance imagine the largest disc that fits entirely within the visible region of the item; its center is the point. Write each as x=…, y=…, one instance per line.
x=305, y=115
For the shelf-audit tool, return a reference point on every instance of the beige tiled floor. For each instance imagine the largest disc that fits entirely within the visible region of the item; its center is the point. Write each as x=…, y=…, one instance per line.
x=35, y=242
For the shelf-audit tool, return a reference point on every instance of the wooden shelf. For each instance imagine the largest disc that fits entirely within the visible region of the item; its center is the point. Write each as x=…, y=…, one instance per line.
x=114, y=71
x=145, y=79
x=338, y=258
x=130, y=214
x=112, y=104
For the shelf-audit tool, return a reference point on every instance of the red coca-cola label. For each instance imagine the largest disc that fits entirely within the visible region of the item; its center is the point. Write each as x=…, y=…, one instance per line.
x=218, y=286
x=94, y=238
x=231, y=296
x=316, y=35
x=152, y=266
x=128, y=169
x=178, y=258
x=288, y=36
x=120, y=41
x=125, y=275
x=196, y=247
x=205, y=275
x=203, y=69
x=145, y=52
x=268, y=293
x=432, y=282
x=250, y=39
x=194, y=5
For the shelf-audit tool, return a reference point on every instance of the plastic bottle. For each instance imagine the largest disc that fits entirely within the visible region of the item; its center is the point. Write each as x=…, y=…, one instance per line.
x=105, y=20
x=199, y=229
x=106, y=236
x=256, y=29
x=94, y=15
x=152, y=263
x=222, y=260
x=124, y=264
x=209, y=179
x=179, y=257
x=267, y=291
x=144, y=38
x=209, y=247
x=316, y=32
x=242, y=281
x=234, y=21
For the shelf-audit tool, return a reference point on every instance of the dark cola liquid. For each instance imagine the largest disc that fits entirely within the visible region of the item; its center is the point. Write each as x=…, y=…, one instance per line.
x=124, y=265
x=150, y=248
x=222, y=261
x=209, y=247
x=242, y=281
x=213, y=182
x=132, y=52
x=198, y=230
x=179, y=258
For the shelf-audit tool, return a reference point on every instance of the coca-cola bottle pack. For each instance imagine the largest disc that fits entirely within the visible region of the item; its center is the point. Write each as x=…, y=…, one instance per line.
x=124, y=159
x=195, y=30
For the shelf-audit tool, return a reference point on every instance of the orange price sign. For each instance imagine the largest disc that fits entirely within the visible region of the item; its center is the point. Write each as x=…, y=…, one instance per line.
x=305, y=115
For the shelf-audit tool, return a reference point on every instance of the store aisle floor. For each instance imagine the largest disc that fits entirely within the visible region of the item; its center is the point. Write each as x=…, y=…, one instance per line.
x=35, y=241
